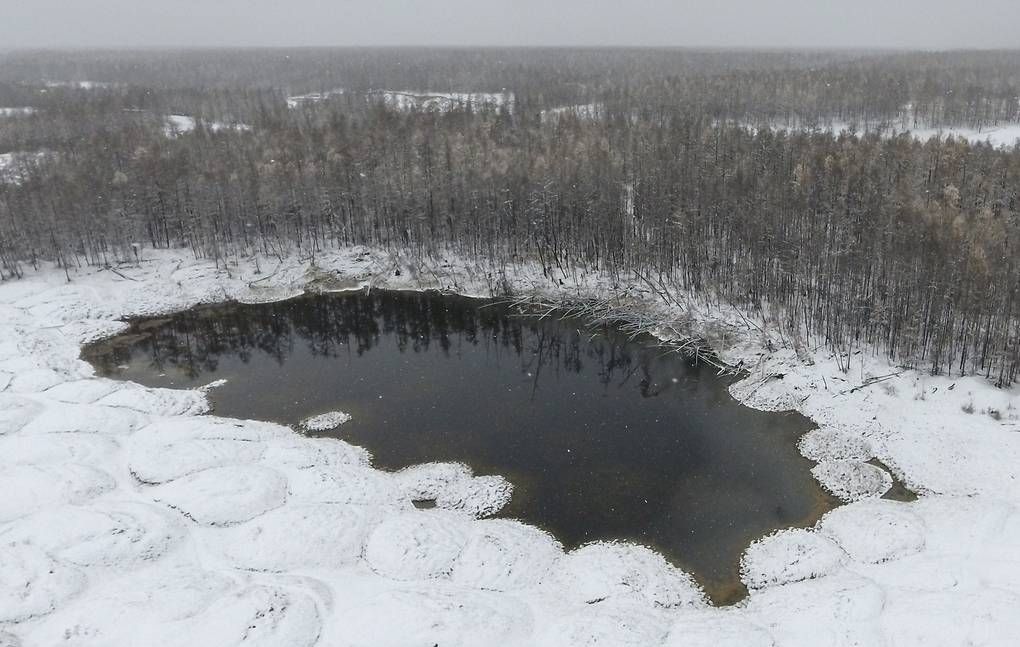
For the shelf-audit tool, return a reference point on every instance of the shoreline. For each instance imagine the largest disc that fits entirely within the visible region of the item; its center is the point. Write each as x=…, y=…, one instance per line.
x=911, y=423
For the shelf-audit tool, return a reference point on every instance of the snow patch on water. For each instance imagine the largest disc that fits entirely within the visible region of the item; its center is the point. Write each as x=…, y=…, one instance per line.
x=325, y=421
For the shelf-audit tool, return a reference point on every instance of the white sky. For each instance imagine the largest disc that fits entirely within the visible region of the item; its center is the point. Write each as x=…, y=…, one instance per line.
x=927, y=24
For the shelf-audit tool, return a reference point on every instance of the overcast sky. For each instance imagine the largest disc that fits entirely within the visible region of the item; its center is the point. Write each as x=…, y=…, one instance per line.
x=929, y=24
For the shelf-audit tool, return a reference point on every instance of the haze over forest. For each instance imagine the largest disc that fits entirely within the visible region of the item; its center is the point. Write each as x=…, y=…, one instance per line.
x=907, y=24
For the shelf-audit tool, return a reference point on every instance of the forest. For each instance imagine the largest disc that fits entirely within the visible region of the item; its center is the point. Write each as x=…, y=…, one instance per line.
x=680, y=166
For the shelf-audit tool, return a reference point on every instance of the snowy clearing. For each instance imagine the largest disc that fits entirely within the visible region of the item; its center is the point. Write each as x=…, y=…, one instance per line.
x=17, y=112
x=15, y=166
x=442, y=101
x=582, y=111
x=136, y=520
x=406, y=100
x=999, y=136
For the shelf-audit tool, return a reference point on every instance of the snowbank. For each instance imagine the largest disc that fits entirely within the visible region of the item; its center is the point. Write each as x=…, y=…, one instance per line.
x=129, y=518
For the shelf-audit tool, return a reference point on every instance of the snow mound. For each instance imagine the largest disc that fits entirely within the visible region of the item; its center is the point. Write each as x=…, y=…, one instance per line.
x=88, y=449
x=344, y=484
x=210, y=428
x=15, y=412
x=875, y=530
x=325, y=421
x=84, y=391
x=435, y=616
x=113, y=534
x=453, y=487
x=302, y=453
x=716, y=629
x=331, y=536
x=951, y=618
x=9, y=640
x=505, y=555
x=35, y=380
x=222, y=496
x=602, y=624
x=852, y=480
x=42, y=486
x=258, y=616
x=834, y=443
x=841, y=609
x=623, y=572
x=152, y=608
x=32, y=583
x=159, y=462
x=181, y=607
x=158, y=402
x=84, y=418
x=417, y=545
x=789, y=556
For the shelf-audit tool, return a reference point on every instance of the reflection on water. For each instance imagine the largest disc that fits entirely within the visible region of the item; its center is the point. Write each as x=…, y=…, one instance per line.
x=602, y=437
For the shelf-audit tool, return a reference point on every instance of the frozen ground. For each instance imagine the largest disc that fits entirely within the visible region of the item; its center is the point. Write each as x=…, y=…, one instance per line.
x=130, y=519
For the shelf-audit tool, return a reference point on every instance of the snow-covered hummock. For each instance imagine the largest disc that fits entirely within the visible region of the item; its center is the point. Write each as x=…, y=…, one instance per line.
x=325, y=421
x=130, y=518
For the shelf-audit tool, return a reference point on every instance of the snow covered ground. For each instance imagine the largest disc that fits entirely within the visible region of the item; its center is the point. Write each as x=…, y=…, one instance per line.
x=176, y=125
x=406, y=100
x=582, y=111
x=130, y=519
x=14, y=166
x=16, y=112
x=81, y=85
x=999, y=136
x=442, y=101
x=312, y=97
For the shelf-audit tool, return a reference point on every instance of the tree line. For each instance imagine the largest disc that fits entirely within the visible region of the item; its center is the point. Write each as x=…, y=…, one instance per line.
x=854, y=241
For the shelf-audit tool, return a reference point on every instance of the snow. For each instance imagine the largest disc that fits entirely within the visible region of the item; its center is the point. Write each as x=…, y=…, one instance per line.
x=81, y=85
x=131, y=516
x=999, y=136
x=312, y=97
x=17, y=112
x=852, y=480
x=13, y=165
x=406, y=100
x=789, y=556
x=582, y=111
x=178, y=125
x=325, y=421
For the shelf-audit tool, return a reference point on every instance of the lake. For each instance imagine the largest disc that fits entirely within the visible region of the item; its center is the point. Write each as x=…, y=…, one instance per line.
x=602, y=436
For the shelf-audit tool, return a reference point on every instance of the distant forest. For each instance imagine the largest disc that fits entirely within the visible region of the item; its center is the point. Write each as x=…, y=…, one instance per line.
x=657, y=162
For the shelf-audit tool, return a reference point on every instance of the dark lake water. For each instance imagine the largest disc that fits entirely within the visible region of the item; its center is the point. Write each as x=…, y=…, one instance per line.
x=602, y=437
